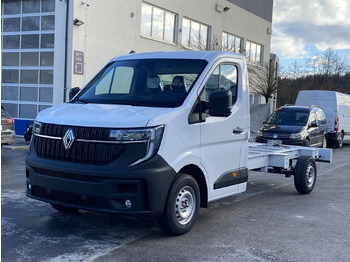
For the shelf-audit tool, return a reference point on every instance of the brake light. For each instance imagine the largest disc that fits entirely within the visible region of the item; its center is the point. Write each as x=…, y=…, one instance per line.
x=10, y=120
x=336, y=124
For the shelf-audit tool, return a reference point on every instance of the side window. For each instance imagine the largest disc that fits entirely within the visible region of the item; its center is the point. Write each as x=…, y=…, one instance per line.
x=321, y=117
x=224, y=77
x=313, y=119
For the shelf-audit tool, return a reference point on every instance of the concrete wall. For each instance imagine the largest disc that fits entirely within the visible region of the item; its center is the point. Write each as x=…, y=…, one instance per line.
x=112, y=27
x=258, y=114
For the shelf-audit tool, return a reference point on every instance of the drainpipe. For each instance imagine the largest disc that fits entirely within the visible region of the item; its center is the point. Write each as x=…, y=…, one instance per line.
x=65, y=54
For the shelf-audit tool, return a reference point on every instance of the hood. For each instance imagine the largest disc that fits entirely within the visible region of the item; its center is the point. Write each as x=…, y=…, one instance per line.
x=101, y=115
x=267, y=128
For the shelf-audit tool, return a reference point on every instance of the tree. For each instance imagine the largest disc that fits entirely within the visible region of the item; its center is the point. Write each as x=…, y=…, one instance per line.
x=263, y=80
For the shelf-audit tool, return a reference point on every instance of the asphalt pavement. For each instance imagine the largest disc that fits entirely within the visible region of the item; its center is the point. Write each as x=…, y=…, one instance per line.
x=269, y=222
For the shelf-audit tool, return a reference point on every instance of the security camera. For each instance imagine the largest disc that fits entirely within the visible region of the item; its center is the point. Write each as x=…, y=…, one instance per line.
x=85, y=3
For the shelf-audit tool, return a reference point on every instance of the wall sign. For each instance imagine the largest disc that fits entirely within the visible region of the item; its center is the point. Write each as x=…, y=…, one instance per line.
x=78, y=63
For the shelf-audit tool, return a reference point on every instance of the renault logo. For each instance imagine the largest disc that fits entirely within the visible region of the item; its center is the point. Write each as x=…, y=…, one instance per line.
x=68, y=139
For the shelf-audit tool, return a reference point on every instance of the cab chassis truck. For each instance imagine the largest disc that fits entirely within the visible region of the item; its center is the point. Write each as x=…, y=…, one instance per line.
x=157, y=134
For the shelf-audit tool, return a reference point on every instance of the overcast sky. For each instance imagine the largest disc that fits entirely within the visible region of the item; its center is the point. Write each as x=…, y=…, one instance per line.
x=302, y=28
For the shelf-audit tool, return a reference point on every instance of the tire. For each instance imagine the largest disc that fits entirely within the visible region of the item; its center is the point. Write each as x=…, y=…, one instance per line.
x=307, y=143
x=182, y=206
x=64, y=209
x=339, y=142
x=305, y=174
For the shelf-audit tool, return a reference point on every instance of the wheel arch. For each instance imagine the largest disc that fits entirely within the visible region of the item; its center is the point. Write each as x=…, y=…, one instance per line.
x=198, y=175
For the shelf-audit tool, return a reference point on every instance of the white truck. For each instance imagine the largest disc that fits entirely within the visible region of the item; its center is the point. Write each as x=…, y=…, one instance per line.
x=156, y=134
x=336, y=106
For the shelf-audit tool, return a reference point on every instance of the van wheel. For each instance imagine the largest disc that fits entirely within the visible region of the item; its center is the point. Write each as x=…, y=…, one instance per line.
x=307, y=143
x=305, y=174
x=64, y=209
x=182, y=206
x=339, y=142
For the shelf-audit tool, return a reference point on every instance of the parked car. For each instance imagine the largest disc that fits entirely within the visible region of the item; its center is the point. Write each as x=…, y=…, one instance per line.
x=8, y=135
x=336, y=106
x=295, y=125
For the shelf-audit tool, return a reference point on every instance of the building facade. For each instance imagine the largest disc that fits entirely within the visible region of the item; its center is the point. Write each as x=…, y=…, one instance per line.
x=50, y=46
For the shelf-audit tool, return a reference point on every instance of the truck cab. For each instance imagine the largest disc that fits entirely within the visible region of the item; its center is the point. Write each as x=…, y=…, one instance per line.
x=154, y=134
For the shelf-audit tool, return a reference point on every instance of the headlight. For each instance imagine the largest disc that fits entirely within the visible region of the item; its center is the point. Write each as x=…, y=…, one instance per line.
x=151, y=136
x=296, y=135
x=36, y=127
x=259, y=133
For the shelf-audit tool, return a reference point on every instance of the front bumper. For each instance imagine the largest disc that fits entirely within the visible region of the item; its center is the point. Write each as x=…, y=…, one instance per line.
x=285, y=141
x=140, y=190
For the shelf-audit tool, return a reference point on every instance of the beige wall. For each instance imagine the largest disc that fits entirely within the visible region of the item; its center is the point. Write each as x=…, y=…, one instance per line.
x=110, y=30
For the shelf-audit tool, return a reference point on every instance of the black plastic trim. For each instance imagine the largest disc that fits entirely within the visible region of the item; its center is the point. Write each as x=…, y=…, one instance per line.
x=231, y=178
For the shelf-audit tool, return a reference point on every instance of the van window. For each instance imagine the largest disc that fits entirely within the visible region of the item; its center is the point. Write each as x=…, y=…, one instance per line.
x=223, y=77
x=143, y=82
x=117, y=81
x=288, y=117
x=313, y=119
x=321, y=118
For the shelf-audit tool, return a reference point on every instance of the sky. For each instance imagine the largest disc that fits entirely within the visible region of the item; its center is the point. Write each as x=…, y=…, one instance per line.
x=303, y=28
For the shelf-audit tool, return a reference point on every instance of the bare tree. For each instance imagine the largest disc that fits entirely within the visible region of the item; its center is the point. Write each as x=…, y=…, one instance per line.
x=329, y=63
x=263, y=80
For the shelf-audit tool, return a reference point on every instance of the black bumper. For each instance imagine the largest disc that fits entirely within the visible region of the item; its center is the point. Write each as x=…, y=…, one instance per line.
x=101, y=188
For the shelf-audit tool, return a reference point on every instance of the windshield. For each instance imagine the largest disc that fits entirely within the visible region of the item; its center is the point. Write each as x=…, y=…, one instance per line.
x=288, y=117
x=144, y=82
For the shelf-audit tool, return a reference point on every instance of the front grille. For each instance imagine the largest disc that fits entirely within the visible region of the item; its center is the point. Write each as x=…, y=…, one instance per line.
x=280, y=135
x=93, y=153
x=70, y=176
x=72, y=198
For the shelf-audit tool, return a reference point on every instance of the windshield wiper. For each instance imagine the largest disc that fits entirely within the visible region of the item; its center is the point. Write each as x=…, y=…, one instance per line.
x=81, y=100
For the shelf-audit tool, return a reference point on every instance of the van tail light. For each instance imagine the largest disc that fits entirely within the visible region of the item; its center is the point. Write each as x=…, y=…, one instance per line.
x=10, y=120
x=336, y=124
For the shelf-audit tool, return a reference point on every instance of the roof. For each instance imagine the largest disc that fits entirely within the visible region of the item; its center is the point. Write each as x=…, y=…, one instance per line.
x=301, y=108
x=203, y=55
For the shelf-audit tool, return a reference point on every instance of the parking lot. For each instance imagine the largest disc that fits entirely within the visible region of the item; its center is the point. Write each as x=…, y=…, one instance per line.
x=269, y=222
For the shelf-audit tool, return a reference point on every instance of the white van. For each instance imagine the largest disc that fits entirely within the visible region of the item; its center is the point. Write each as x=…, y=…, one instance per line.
x=337, y=109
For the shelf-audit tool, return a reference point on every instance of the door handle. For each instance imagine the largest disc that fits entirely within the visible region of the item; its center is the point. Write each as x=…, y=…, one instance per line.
x=237, y=130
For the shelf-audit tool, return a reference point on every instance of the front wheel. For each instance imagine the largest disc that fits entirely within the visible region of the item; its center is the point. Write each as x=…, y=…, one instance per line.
x=182, y=206
x=305, y=174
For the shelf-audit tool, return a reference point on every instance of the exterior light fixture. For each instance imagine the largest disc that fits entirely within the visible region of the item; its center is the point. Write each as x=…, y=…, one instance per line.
x=78, y=22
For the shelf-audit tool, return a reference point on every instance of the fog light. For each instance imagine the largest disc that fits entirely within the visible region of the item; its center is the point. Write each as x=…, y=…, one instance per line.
x=128, y=203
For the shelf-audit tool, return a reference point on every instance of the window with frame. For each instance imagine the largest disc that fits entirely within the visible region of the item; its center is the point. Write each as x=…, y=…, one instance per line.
x=254, y=52
x=194, y=35
x=158, y=23
x=231, y=43
x=224, y=77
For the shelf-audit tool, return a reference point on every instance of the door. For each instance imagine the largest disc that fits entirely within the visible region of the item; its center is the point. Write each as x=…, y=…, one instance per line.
x=313, y=129
x=322, y=125
x=223, y=139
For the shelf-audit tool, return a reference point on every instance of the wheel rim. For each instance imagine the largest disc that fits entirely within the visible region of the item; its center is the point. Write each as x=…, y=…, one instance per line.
x=310, y=175
x=324, y=145
x=185, y=205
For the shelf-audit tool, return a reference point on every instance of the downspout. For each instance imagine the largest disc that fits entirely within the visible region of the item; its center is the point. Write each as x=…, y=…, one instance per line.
x=65, y=54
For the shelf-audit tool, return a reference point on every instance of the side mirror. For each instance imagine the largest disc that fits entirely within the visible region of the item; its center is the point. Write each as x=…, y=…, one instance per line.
x=73, y=91
x=220, y=103
x=313, y=125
